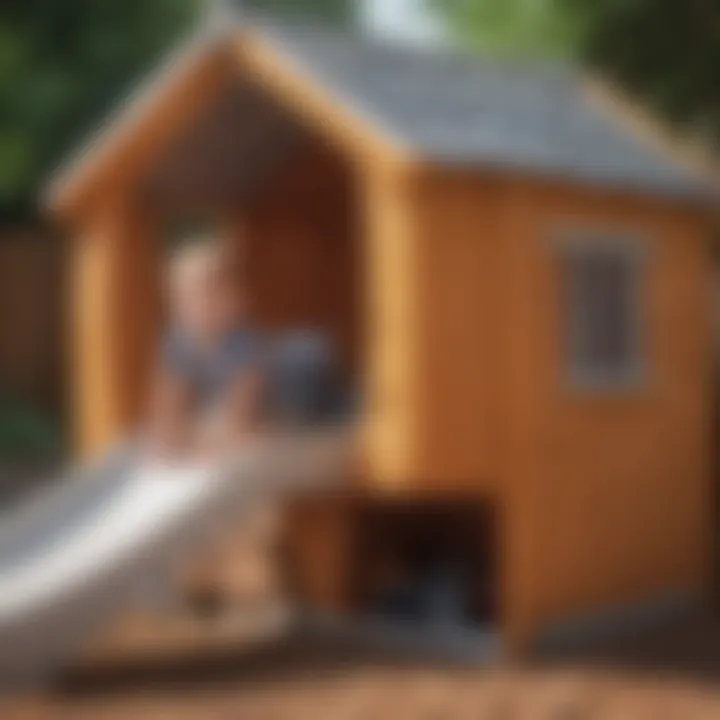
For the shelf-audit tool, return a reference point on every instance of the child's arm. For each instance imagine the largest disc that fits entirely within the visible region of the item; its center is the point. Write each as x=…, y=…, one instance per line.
x=238, y=415
x=169, y=430
x=244, y=402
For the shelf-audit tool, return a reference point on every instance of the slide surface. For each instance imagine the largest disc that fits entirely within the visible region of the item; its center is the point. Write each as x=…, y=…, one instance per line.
x=86, y=549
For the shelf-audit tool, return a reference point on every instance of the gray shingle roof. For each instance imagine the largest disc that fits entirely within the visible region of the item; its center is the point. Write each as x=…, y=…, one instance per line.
x=460, y=109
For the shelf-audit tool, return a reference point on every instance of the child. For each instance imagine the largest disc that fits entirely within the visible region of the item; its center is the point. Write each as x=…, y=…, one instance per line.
x=207, y=394
x=207, y=390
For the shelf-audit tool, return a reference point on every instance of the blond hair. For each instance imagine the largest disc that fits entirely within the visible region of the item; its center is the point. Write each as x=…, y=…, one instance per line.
x=214, y=254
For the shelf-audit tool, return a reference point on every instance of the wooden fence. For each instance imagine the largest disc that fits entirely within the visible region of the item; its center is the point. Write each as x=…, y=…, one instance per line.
x=33, y=318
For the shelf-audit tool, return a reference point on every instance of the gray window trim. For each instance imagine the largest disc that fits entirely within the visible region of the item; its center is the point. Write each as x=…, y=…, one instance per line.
x=633, y=250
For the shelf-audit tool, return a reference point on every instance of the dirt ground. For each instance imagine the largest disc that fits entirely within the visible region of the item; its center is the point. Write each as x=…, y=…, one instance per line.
x=667, y=676
x=175, y=666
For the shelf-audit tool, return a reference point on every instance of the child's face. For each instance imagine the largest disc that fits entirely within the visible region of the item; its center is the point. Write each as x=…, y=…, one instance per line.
x=204, y=297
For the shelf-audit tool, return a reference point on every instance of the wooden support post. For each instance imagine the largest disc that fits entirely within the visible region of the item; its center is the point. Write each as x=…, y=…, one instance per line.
x=116, y=314
x=320, y=536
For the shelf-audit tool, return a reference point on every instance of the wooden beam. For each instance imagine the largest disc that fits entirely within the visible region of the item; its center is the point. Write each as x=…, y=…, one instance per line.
x=147, y=123
x=116, y=315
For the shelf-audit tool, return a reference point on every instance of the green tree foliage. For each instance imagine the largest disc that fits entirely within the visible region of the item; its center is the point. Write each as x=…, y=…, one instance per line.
x=510, y=27
x=61, y=65
x=26, y=433
x=330, y=11
x=667, y=52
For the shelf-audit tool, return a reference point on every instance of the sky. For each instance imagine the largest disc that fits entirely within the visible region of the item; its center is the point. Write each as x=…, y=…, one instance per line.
x=405, y=20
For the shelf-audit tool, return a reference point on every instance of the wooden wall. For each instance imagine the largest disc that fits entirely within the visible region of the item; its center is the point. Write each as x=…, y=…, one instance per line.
x=612, y=500
x=463, y=356
x=602, y=498
x=437, y=286
x=33, y=317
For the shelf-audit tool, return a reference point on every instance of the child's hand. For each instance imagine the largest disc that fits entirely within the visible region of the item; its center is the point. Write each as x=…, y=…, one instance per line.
x=169, y=431
x=213, y=438
x=171, y=444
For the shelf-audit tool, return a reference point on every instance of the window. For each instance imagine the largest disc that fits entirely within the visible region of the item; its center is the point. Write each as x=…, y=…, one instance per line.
x=601, y=303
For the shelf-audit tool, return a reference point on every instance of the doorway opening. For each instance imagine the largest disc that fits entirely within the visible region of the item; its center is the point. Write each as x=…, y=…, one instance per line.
x=285, y=201
x=428, y=562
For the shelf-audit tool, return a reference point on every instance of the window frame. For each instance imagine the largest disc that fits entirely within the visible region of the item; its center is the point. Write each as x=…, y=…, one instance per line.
x=633, y=250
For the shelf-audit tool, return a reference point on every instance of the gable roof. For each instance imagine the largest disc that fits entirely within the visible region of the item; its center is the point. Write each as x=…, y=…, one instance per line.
x=437, y=106
x=459, y=109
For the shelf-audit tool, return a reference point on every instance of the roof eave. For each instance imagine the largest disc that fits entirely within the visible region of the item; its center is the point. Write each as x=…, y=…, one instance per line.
x=140, y=128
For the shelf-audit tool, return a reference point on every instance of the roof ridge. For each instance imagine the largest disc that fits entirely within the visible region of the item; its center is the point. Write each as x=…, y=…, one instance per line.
x=223, y=14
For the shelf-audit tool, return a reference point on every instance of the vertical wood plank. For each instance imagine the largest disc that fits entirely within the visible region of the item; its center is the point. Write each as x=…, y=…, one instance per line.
x=116, y=311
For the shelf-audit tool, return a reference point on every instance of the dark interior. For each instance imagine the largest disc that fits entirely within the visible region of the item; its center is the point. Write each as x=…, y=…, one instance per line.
x=427, y=561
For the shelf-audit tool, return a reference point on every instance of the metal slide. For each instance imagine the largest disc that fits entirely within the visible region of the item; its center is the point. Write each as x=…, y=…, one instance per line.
x=84, y=550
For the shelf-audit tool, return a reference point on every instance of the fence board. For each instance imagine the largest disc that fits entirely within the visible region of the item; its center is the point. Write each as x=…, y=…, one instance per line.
x=32, y=318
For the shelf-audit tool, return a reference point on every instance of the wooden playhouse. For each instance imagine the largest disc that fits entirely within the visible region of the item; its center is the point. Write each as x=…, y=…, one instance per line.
x=520, y=284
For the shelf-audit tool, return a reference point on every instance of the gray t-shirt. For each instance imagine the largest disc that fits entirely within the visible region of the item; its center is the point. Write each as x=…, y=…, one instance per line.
x=210, y=374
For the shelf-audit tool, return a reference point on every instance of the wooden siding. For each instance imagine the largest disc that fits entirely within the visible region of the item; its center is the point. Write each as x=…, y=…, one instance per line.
x=462, y=352
x=602, y=498
x=612, y=499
